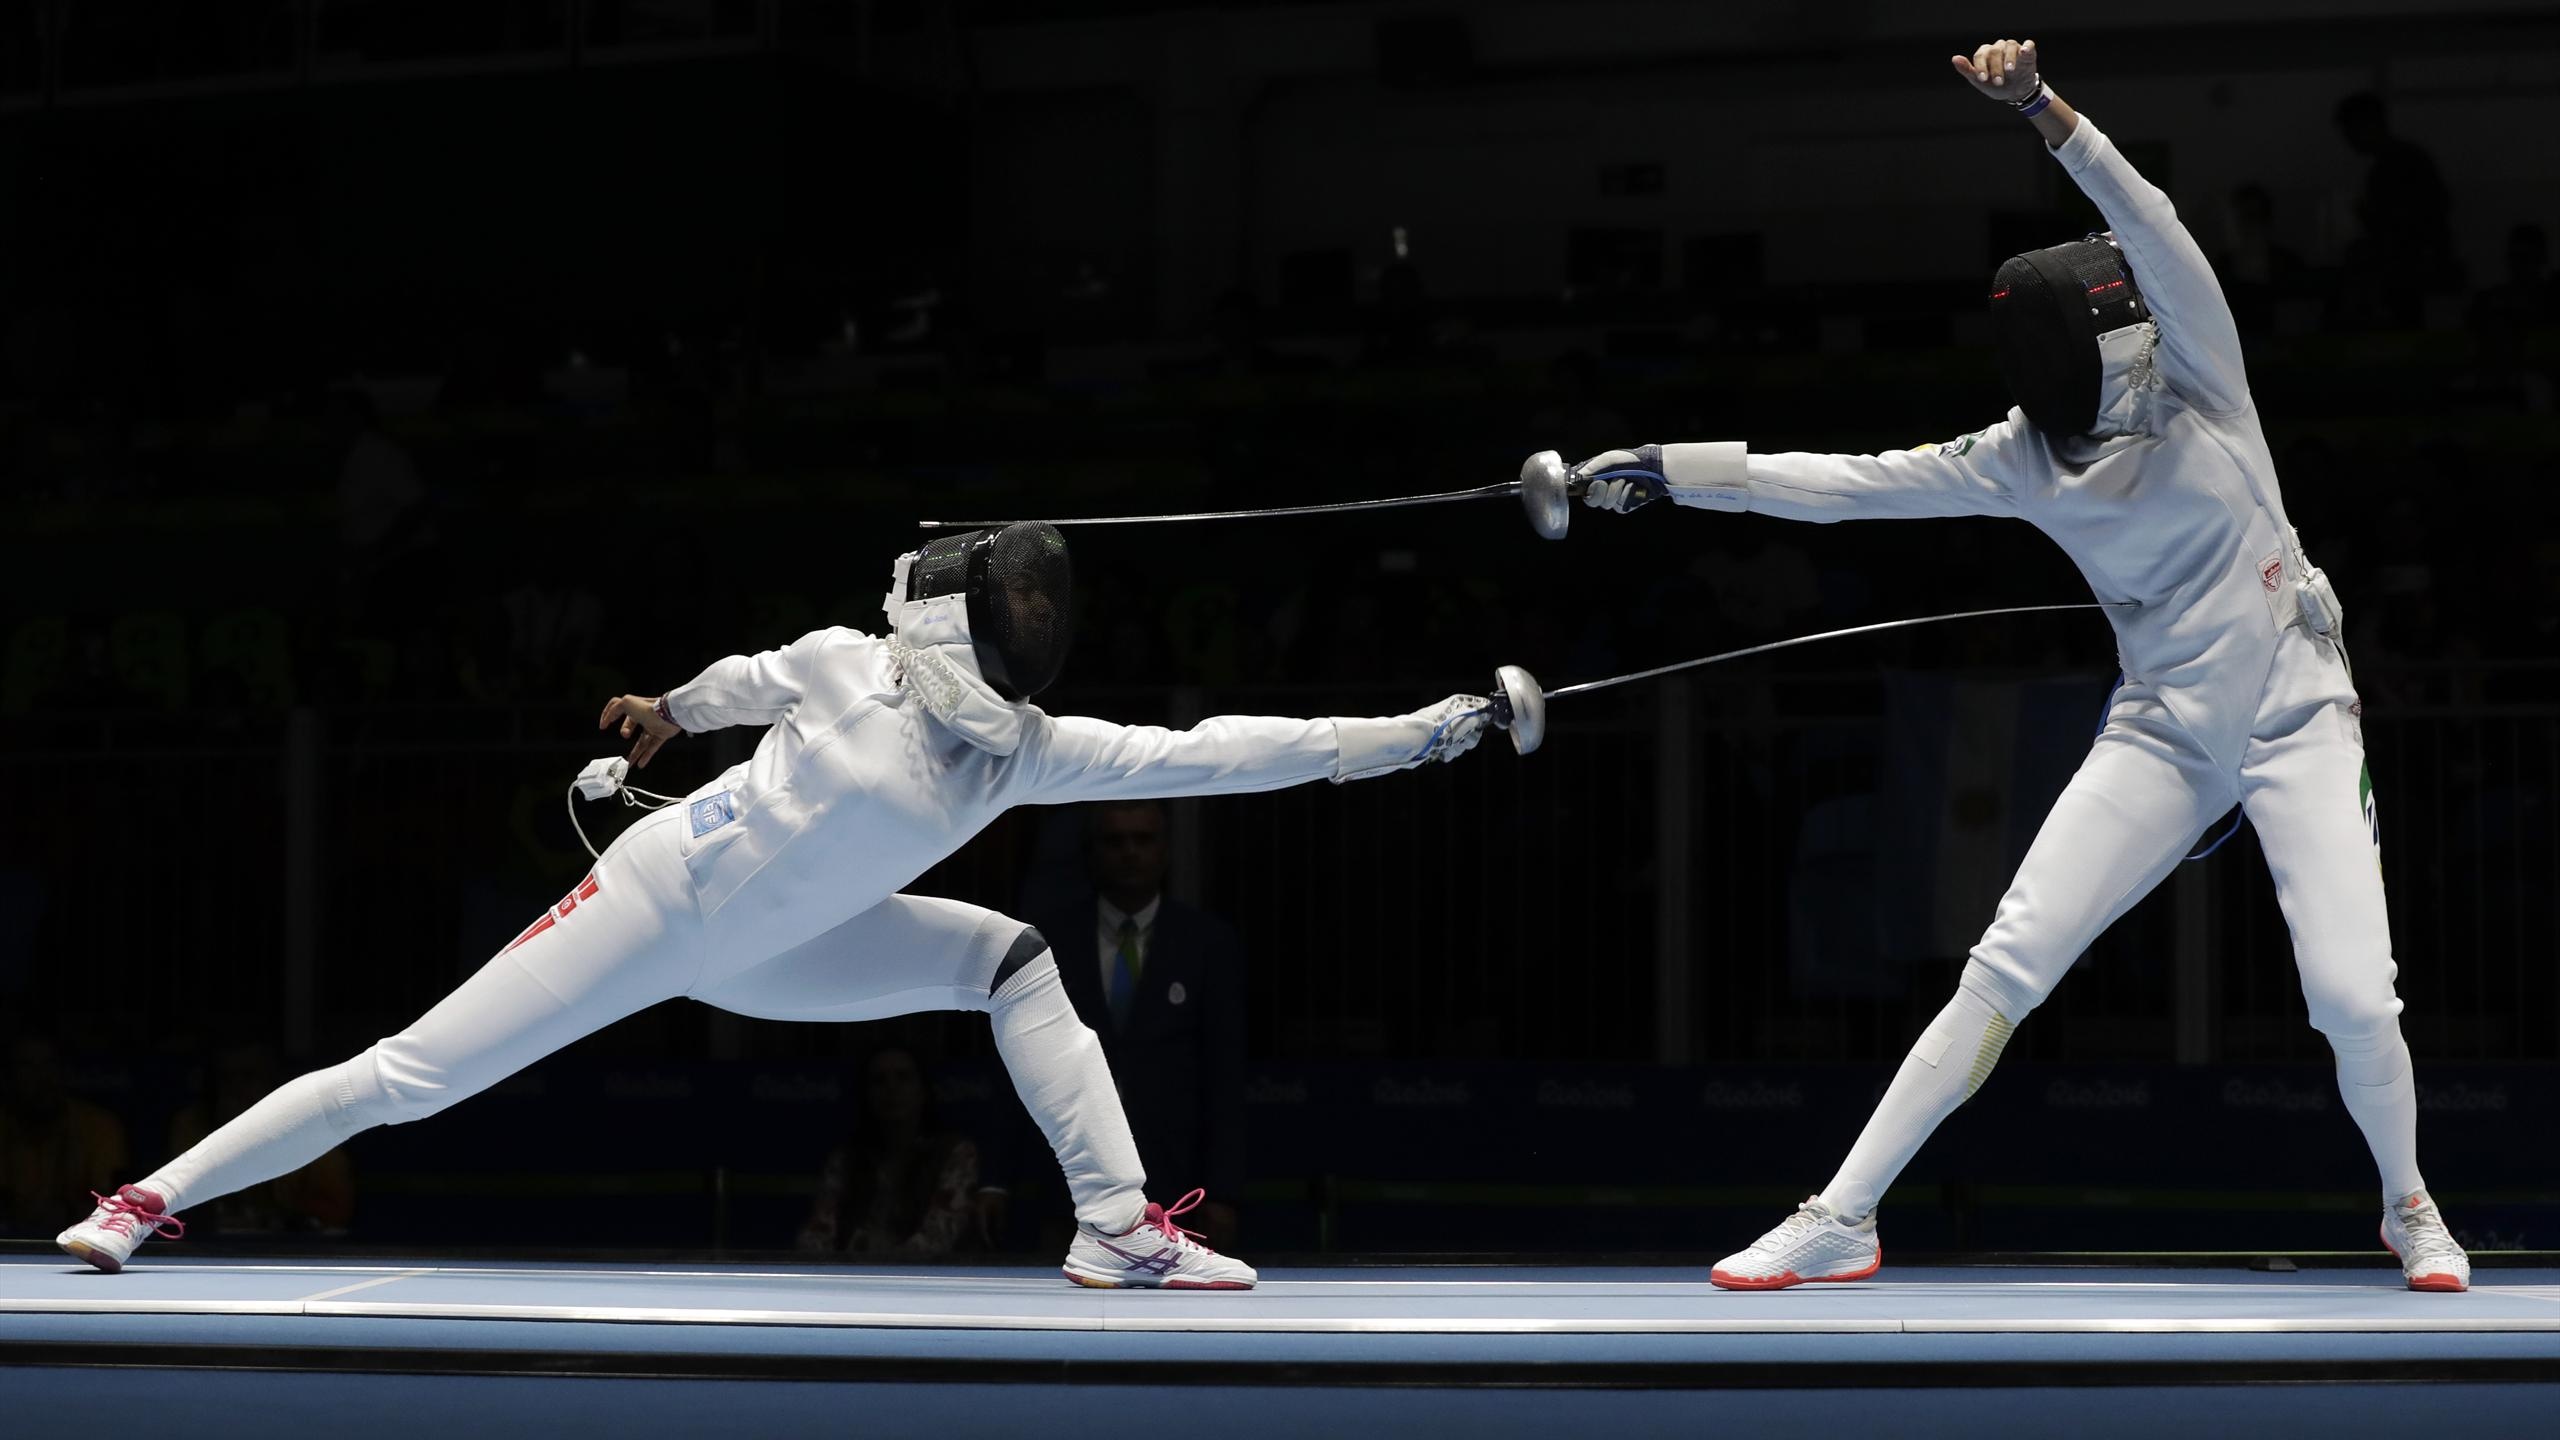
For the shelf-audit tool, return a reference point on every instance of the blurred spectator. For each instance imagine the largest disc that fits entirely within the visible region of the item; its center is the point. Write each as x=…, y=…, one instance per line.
x=380, y=497
x=1163, y=985
x=898, y=1187
x=2256, y=268
x=2526, y=297
x=56, y=1149
x=2403, y=248
x=318, y=1197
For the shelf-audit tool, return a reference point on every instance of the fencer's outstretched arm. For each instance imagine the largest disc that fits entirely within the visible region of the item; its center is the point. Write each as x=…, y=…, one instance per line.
x=1080, y=758
x=2199, y=352
x=1969, y=475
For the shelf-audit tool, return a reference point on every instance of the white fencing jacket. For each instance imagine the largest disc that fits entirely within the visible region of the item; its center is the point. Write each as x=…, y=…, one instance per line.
x=2172, y=505
x=856, y=789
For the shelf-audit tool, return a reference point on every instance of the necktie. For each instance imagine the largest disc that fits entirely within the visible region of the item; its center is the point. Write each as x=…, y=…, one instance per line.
x=1125, y=965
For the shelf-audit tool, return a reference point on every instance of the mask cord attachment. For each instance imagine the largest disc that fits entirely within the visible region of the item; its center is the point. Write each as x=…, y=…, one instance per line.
x=606, y=777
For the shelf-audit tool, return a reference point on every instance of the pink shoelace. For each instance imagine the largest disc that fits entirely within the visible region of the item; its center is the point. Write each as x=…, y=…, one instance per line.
x=1163, y=1218
x=126, y=1206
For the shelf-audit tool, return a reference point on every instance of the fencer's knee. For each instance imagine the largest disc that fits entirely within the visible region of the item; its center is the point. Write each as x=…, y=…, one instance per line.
x=2353, y=1016
x=1025, y=956
x=389, y=1085
x=1032, y=1000
x=2009, y=994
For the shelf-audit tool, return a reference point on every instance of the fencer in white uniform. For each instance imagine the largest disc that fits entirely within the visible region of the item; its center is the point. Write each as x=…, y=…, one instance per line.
x=772, y=890
x=2137, y=448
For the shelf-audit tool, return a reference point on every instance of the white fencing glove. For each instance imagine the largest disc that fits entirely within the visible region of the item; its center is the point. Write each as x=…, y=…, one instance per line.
x=1444, y=731
x=1623, y=480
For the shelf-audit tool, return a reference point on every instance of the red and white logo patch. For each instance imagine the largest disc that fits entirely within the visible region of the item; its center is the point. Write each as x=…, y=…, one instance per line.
x=586, y=891
x=2271, y=571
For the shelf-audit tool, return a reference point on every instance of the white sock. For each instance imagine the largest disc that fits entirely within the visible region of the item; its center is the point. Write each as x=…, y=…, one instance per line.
x=297, y=1123
x=2381, y=1090
x=1949, y=1062
x=1058, y=1070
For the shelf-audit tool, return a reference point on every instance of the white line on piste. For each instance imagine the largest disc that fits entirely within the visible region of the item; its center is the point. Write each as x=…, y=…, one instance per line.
x=366, y=1285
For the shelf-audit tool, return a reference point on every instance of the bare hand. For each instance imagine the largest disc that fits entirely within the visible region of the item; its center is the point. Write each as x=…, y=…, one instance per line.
x=2003, y=69
x=638, y=713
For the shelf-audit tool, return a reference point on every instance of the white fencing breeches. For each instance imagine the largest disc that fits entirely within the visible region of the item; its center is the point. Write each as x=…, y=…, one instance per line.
x=908, y=954
x=2135, y=809
x=631, y=935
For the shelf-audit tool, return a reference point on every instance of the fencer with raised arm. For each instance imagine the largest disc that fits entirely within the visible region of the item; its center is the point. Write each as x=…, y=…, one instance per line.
x=2136, y=446
x=772, y=890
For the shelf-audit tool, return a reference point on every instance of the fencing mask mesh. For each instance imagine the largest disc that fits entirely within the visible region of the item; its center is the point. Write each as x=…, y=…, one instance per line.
x=1021, y=594
x=2048, y=308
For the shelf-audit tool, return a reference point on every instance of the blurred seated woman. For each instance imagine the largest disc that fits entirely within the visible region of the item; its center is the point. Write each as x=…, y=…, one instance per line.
x=898, y=1187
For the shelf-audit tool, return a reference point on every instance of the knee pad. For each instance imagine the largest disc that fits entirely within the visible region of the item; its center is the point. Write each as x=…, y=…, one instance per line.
x=1028, y=946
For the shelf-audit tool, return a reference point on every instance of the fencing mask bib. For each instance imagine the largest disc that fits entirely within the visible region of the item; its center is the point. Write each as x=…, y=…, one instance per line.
x=2048, y=308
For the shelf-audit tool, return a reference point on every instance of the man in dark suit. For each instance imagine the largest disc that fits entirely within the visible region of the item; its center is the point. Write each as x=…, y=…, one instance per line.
x=1163, y=984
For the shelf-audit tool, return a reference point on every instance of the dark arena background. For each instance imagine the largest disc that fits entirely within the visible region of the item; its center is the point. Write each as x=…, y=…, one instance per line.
x=386, y=383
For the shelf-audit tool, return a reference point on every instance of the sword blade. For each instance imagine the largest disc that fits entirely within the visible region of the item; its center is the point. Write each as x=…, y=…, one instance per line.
x=1338, y=507
x=1829, y=635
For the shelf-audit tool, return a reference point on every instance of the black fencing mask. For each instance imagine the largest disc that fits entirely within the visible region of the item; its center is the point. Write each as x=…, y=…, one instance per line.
x=1021, y=594
x=2048, y=308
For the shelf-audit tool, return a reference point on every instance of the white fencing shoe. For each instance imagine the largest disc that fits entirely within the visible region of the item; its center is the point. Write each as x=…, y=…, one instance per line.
x=1812, y=1244
x=1156, y=1254
x=2430, y=1257
x=122, y=1221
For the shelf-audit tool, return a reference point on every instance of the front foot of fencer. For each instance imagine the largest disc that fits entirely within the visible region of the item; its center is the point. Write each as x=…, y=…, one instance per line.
x=1812, y=1246
x=1155, y=1254
x=2413, y=1230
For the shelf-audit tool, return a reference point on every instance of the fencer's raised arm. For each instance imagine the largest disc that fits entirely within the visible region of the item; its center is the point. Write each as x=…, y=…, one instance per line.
x=1080, y=758
x=1969, y=475
x=751, y=689
x=2199, y=353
